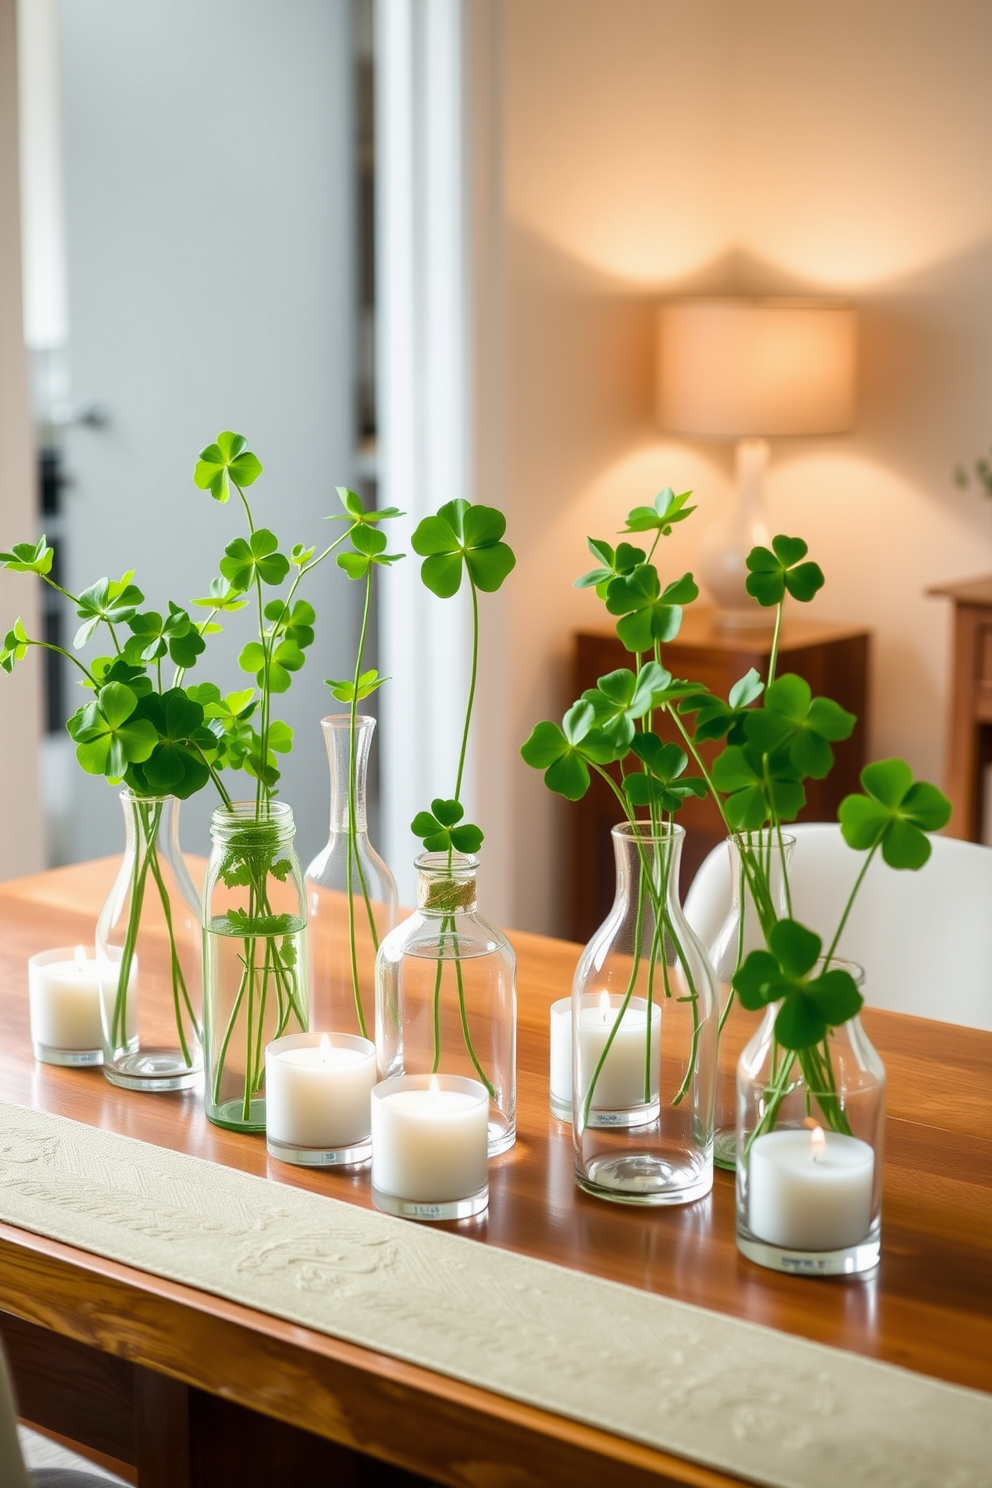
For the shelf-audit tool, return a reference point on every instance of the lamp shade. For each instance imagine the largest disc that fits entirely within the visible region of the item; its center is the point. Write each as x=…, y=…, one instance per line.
x=730, y=369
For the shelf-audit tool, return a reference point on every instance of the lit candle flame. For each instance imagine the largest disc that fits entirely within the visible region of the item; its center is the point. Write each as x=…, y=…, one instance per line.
x=434, y=1088
x=80, y=959
x=604, y=1005
x=817, y=1142
x=325, y=1049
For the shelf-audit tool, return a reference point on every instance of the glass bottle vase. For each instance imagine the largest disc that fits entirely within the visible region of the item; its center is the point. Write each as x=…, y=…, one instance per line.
x=759, y=863
x=254, y=956
x=148, y=956
x=644, y=1036
x=810, y=1129
x=352, y=901
x=446, y=997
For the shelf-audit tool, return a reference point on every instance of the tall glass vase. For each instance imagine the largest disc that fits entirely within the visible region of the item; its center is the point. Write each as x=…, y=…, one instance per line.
x=759, y=863
x=351, y=895
x=644, y=1036
x=810, y=1129
x=148, y=956
x=446, y=996
x=254, y=955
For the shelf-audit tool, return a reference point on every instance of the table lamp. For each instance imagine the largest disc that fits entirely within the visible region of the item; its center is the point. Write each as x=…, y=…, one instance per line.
x=751, y=370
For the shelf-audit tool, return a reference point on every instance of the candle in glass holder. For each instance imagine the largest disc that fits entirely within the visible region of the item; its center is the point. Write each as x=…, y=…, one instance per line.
x=430, y=1146
x=318, y=1093
x=64, y=999
x=810, y=1190
x=620, y=1085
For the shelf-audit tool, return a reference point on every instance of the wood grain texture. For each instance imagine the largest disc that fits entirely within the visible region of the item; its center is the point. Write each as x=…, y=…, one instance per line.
x=929, y=1306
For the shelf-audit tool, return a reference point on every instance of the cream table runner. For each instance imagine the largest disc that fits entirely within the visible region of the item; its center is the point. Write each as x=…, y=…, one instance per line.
x=729, y=1394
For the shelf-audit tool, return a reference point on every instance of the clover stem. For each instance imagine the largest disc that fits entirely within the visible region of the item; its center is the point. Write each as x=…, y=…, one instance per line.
x=673, y=715
x=471, y=688
x=52, y=584
x=773, y=658
x=850, y=903
x=49, y=646
x=352, y=819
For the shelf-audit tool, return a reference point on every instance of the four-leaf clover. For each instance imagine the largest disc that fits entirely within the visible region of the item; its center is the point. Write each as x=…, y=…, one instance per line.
x=649, y=613
x=461, y=536
x=895, y=813
x=258, y=554
x=230, y=455
x=773, y=572
x=795, y=722
x=662, y=782
x=108, y=735
x=564, y=754
x=811, y=1005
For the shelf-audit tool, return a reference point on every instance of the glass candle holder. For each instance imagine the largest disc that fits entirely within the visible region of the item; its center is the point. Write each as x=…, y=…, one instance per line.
x=810, y=1142
x=621, y=1079
x=430, y=1136
x=318, y=1099
x=64, y=1000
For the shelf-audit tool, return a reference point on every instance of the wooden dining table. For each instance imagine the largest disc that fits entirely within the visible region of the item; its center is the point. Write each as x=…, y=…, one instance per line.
x=177, y=1388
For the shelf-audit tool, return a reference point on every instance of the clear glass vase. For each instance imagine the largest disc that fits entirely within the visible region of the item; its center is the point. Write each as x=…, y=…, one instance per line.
x=255, y=986
x=810, y=1131
x=644, y=1036
x=351, y=895
x=446, y=996
x=759, y=863
x=148, y=956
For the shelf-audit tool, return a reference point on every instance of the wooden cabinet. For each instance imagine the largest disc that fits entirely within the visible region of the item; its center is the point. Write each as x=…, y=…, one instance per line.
x=969, y=729
x=832, y=658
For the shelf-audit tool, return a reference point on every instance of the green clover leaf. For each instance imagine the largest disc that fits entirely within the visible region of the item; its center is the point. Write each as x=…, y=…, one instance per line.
x=661, y=783
x=154, y=636
x=295, y=623
x=649, y=615
x=175, y=766
x=106, y=669
x=614, y=563
x=108, y=734
x=256, y=555
x=716, y=719
x=111, y=601
x=15, y=646
x=620, y=698
x=441, y=829
x=462, y=535
x=354, y=509
x=229, y=455
x=368, y=683
x=222, y=597
x=895, y=812
x=369, y=544
x=754, y=784
x=794, y=721
x=773, y=572
x=29, y=557
x=564, y=754
x=810, y=1005
x=667, y=510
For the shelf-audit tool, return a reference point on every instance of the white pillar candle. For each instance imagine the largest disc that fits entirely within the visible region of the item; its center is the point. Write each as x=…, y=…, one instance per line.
x=810, y=1190
x=621, y=1080
x=430, y=1144
x=318, y=1093
x=64, y=999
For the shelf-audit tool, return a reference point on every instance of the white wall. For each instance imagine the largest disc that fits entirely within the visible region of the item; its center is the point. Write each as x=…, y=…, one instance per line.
x=210, y=217
x=20, y=719
x=652, y=148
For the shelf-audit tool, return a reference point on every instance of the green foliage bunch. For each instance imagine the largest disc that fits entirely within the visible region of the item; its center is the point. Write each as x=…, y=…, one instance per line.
x=773, y=734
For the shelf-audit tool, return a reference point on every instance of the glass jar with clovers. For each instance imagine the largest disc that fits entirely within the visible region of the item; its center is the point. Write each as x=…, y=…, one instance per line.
x=445, y=977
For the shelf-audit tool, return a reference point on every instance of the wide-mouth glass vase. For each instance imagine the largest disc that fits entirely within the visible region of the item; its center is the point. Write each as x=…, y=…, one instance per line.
x=759, y=863
x=644, y=1036
x=254, y=956
x=148, y=956
x=351, y=894
x=446, y=996
x=810, y=1129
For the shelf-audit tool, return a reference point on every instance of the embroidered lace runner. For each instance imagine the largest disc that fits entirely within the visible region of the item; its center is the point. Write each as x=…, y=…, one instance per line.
x=734, y=1396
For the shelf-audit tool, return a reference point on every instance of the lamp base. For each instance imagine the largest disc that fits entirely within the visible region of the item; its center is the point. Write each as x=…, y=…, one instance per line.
x=723, y=556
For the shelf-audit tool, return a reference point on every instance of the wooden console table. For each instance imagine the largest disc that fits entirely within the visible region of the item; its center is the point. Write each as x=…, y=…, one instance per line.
x=969, y=729
x=177, y=1388
x=832, y=658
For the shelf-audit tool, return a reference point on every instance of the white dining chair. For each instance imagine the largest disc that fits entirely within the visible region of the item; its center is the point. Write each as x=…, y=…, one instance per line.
x=924, y=938
x=13, y=1473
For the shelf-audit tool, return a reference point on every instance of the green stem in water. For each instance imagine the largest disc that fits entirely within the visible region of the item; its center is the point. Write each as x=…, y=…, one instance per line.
x=352, y=817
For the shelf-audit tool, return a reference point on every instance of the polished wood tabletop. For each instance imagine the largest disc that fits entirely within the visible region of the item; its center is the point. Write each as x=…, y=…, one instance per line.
x=927, y=1307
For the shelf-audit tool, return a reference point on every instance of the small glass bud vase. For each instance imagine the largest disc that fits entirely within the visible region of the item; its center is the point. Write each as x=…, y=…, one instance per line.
x=759, y=862
x=148, y=956
x=351, y=895
x=254, y=956
x=644, y=1036
x=446, y=996
x=809, y=1133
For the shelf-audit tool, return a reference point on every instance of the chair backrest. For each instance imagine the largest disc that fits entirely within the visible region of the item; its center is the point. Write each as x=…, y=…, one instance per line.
x=924, y=939
x=13, y=1473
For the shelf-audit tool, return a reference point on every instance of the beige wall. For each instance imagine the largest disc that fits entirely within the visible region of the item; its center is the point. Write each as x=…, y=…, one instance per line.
x=653, y=147
x=20, y=817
